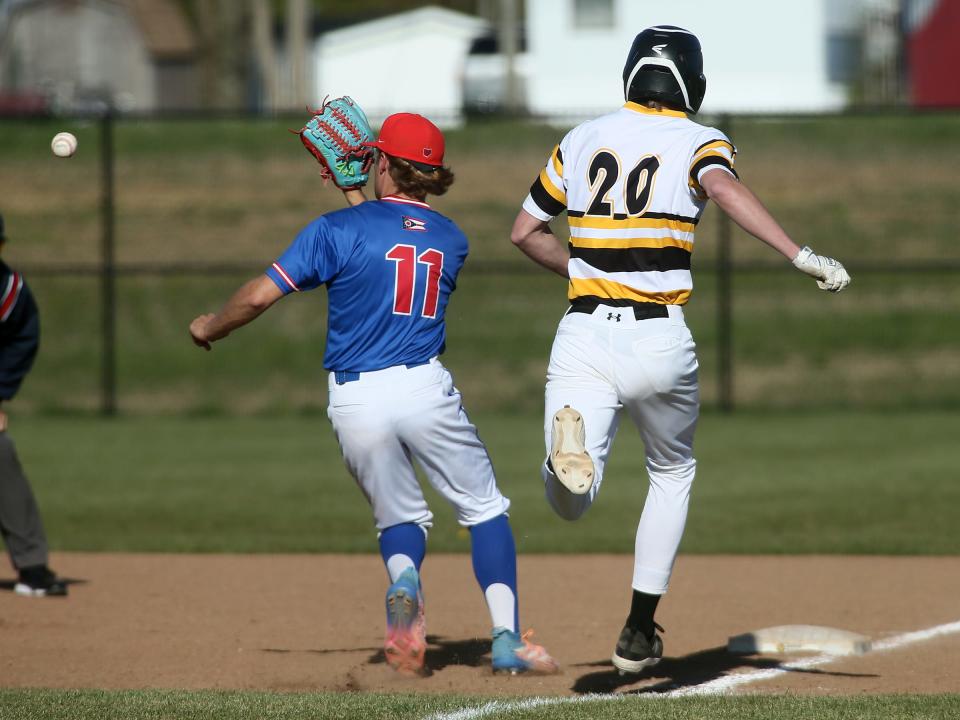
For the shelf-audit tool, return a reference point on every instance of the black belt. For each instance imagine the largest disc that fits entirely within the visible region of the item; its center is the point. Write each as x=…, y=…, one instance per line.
x=641, y=311
x=345, y=376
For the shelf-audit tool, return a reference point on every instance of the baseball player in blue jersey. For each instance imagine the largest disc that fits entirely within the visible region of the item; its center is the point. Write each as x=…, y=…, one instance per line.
x=389, y=267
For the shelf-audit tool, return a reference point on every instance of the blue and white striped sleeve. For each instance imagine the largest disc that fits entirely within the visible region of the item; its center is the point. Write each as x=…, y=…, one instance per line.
x=309, y=262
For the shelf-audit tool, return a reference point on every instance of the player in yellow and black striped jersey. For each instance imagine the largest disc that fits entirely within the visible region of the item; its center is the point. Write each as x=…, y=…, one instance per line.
x=630, y=183
x=634, y=184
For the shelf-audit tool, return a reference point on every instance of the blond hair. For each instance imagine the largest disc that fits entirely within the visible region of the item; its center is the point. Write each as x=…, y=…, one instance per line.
x=414, y=182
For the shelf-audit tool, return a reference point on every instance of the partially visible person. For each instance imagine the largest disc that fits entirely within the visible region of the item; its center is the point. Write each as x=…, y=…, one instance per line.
x=20, y=522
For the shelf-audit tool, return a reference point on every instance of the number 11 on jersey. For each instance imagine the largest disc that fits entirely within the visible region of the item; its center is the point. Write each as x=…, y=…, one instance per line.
x=406, y=259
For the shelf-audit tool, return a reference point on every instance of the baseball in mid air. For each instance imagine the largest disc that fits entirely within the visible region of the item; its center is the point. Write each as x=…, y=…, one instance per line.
x=64, y=144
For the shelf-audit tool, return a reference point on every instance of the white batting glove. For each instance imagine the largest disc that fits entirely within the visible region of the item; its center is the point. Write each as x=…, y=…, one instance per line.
x=830, y=274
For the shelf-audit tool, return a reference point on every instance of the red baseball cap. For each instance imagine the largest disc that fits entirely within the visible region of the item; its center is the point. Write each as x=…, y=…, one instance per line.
x=411, y=137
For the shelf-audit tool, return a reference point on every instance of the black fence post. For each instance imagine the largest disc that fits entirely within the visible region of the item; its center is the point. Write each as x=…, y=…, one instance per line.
x=108, y=369
x=725, y=301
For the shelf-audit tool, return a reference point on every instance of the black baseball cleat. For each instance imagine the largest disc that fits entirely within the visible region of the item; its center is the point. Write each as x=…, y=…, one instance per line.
x=635, y=651
x=39, y=581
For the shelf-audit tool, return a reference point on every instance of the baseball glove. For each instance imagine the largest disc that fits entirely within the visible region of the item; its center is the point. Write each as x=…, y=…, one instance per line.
x=334, y=136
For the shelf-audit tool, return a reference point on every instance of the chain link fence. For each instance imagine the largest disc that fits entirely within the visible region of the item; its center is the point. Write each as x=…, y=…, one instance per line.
x=156, y=220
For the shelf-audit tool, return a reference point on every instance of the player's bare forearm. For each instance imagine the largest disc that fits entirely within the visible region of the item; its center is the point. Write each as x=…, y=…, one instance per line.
x=537, y=241
x=246, y=304
x=746, y=210
x=749, y=213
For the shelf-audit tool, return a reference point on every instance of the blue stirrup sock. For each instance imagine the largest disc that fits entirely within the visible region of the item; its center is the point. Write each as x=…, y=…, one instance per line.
x=495, y=566
x=402, y=546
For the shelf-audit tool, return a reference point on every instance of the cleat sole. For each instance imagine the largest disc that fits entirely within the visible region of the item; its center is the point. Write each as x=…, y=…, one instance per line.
x=571, y=462
x=632, y=667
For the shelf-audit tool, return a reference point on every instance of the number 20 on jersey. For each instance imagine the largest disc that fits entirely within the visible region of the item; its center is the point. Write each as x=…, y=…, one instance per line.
x=602, y=175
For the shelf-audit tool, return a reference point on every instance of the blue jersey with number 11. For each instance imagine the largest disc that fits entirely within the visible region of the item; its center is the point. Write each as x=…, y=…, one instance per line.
x=389, y=267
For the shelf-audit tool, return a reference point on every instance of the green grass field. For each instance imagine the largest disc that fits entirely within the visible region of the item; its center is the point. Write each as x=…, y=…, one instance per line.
x=846, y=441
x=775, y=482
x=164, y=705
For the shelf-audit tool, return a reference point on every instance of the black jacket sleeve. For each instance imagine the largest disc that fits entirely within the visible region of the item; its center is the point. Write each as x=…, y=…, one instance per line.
x=19, y=337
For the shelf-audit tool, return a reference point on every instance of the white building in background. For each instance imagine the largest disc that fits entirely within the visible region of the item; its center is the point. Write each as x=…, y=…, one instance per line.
x=759, y=55
x=412, y=61
x=83, y=55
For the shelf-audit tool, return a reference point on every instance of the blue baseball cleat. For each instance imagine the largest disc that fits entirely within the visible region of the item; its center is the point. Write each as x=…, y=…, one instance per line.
x=405, y=643
x=514, y=653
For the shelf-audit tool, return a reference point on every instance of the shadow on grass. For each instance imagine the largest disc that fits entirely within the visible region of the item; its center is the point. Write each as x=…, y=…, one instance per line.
x=681, y=672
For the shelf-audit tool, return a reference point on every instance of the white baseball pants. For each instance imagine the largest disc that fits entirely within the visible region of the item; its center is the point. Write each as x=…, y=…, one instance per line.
x=600, y=365
x=387, y=419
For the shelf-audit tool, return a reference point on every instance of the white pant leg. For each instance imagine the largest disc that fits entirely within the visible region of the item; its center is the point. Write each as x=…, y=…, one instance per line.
x=657, y=379
x=448, y=448
x=363, y=419
x=579, y=376
x=389, y=417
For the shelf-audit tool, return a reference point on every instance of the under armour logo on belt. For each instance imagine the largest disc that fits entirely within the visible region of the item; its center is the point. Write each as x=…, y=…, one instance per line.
x=611, y=316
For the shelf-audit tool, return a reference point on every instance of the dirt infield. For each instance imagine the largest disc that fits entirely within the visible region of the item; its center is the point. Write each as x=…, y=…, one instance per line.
x=315, y=622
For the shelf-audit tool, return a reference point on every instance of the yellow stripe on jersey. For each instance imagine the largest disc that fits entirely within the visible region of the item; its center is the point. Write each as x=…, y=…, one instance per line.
x=626, y=243
x=711, y=153
x=557, y=163
x=554, y=192
x=616, y=291
x=716, y=144
x=644, y=110
x=602, y=223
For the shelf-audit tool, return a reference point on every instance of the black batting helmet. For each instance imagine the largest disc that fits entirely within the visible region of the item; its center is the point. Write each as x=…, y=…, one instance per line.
x=665, y=63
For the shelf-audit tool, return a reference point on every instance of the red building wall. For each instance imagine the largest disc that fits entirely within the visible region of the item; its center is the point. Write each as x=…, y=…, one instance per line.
x=933, y=58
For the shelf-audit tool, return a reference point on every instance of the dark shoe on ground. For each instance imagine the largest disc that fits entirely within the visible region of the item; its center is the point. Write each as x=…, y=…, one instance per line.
x=635, y=651
x=39, y=581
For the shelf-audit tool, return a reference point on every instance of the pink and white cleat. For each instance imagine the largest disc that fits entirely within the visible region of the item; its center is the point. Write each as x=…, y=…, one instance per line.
x=405, y=643
x=514, y=653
